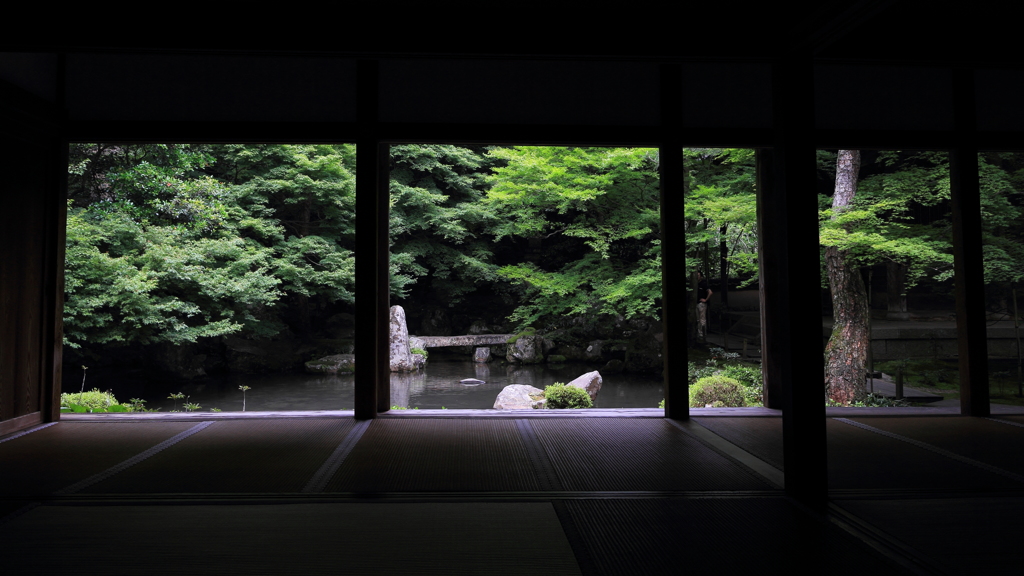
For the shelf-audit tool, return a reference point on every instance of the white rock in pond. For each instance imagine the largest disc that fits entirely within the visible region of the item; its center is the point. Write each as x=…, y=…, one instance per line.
x=517, y=397
x=591, y=382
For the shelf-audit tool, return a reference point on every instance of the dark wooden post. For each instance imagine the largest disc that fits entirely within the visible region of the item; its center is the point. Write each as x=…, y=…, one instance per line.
x=791, y=314
x=674, y=350
x=968, y=263
x=31, y=261
x=383, y=280
x=371, y=253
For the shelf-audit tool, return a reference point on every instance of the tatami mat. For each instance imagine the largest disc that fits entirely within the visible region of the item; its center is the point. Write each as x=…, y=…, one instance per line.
x=57, y=456
x=272, y=455
x=860, y=459
x=955, y=535
x=716, y=536
x=437, y=454
x=636, y=454
x=762, y=437
x=309, y=539
x=980, y=439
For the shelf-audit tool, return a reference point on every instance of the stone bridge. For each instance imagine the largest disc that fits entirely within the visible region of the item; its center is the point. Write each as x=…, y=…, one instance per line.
x=466, y=340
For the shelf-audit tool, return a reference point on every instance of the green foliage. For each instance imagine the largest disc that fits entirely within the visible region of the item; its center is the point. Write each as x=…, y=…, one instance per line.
x=884, y=224
x=92, y=401
x=528, y=331
x=721, y=211
x=420, y=351
x=717, y=391
x=560, y=395
x=595, y=213
x=440, y=230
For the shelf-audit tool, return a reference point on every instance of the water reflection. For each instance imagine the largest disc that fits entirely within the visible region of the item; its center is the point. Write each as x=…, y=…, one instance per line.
x=438, y=386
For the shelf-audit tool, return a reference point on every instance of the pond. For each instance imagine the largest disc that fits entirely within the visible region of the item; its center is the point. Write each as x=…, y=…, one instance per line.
x=437, y=386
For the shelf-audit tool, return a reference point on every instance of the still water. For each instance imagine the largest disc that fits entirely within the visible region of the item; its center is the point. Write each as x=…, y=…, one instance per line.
x=438, y=386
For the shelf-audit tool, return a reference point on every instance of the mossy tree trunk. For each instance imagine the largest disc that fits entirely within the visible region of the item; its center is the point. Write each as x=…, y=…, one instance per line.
x=847, y=350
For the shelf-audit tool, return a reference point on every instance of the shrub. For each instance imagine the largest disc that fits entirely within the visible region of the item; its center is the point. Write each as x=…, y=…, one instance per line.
x=745, y=374
x=91, y=401
x=694, y=372
x=561, y=396
x=717, y=391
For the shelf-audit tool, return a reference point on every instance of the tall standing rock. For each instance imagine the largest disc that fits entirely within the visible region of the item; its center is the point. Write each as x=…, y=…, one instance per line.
x=398, y=343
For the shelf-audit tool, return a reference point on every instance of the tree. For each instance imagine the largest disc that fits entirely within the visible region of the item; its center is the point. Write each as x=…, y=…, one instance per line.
x=587, y=223
x=299, y=201
x=441, y=248
x=896, y=216
x=153, y=252
x=847, y=350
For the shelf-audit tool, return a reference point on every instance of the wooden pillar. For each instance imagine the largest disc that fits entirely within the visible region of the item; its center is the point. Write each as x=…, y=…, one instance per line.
x=791, y=314
x=769, y=211
x=675, y=347
x=968, y=263
x=371, y=250
x=31, y=261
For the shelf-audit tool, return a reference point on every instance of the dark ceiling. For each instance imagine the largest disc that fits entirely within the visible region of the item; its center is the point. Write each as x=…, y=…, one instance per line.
x=913, y=31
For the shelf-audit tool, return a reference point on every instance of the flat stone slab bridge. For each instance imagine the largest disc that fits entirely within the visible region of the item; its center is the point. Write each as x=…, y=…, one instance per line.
x=466, y=340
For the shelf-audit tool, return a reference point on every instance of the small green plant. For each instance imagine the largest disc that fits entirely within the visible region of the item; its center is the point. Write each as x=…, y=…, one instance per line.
x=176, y=396
x=419, y=351
x=661, y=404
x=716, y=391
x=404, y=408
x=190, y=406
x=243, y=388
x=214, y=409
x=559, y=395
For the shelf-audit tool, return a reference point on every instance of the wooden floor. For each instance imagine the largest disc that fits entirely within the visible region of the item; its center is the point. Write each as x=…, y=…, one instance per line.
x=456, y=493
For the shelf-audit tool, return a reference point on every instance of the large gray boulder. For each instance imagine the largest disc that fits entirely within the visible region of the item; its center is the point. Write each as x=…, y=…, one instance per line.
x=591, y=382
x=519, y=397
x=526, y=350
x=398, y=343
x=333, y=364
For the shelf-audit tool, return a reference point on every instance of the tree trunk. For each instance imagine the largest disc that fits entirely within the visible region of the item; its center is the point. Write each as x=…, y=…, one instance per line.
x=723, y=289
x=896, y=292
x=847, y=350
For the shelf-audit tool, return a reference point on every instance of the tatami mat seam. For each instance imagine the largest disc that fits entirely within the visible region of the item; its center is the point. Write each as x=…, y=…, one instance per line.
x=748, y=462
x=1001, y=421
x=71, y=489
x=544, y=470
x=935, y=449
x=330, y=466
x=24, y=432
x=881, y=541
